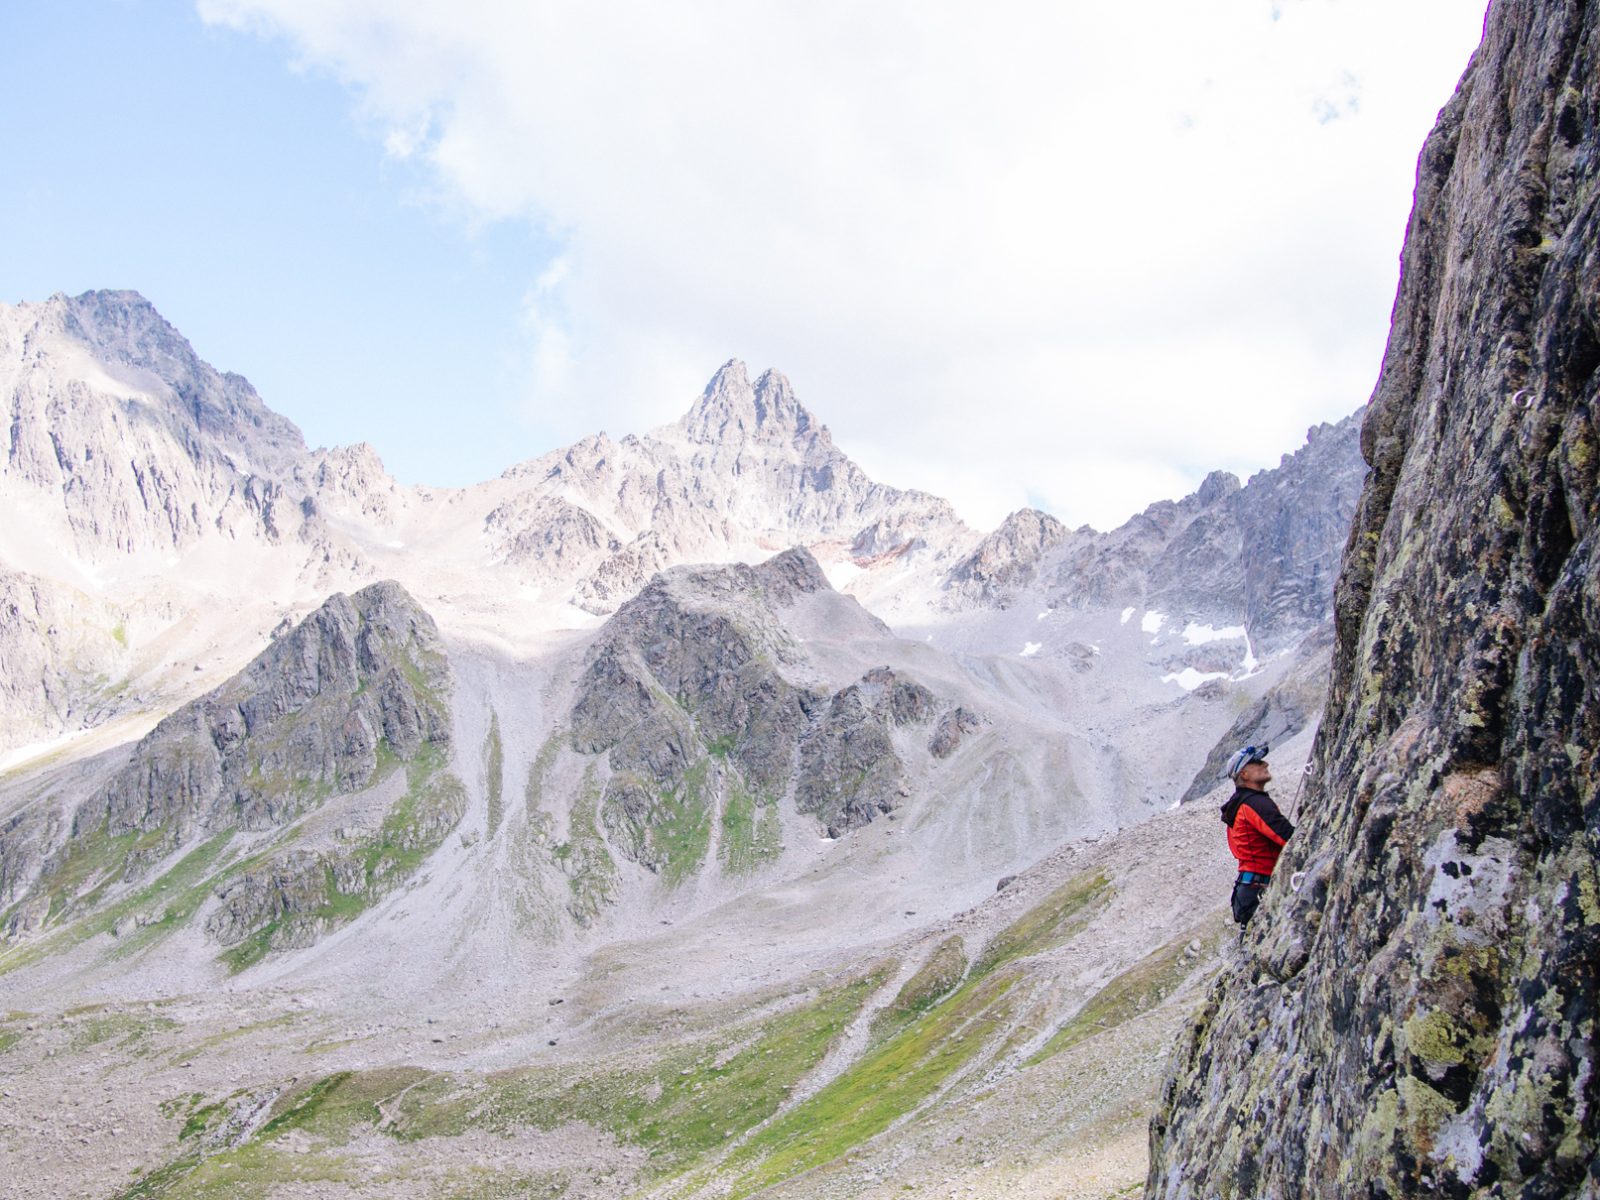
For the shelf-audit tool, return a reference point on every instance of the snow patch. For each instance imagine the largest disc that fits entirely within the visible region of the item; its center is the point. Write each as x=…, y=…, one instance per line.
x=841, y=573
x=1029, y=649
x=1126, y=613
x=1197, y=634
x=1189, y=679
x=1042, y=615
x=1152, y=621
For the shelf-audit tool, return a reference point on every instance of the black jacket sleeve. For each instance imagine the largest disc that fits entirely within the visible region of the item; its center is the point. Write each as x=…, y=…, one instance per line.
x=1268, y=812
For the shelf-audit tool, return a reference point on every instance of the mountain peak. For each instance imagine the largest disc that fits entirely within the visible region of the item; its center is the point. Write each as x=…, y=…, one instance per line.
x=732, y=410
x=1217, y=486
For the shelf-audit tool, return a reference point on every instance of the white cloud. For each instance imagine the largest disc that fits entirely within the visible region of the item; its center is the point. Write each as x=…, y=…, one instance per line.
x=1084, y=252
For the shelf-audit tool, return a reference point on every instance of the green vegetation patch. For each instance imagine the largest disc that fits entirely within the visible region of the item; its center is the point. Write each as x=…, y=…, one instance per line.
x=93, y=861
x=170, y=900
x=681, y=839
x=1137, y=990
x=127, y=1031
x=540, y=821
x=689, y=1101
x=752, y=834
x=591, y=871
x=330, y=1111
x=254, y=1171
x=935, y=979
x=212, y=1041
x=419, y=821
x=494, y=763
x=162, y=905
x=1055, y=920
x=888, y=1083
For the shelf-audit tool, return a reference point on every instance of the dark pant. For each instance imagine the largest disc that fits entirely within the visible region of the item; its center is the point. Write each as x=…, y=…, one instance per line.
x=1246, y=899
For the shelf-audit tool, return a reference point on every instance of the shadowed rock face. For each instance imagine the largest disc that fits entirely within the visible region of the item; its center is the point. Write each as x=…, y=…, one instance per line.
x=691, y=689
x=1421, y=1017
x=309, y=714
x=849, y=771
x=359, y=684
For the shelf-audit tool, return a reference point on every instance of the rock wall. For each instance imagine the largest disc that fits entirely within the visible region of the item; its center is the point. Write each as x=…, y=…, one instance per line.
x=1415, y=1012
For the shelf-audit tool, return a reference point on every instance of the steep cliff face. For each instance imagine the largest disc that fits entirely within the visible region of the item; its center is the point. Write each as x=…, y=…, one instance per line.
x=113, y=418
x=58, y=645
x=1415, y=1013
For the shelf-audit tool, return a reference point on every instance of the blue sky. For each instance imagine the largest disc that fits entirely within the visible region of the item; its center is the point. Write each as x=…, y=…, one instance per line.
x=243, y=199
x=1066, y=254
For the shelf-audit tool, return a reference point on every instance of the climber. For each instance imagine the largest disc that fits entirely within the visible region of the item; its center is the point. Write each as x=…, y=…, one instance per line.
x=1256, y=829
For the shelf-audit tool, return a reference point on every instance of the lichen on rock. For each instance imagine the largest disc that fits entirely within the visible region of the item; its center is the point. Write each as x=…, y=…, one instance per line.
x=1421, y=1017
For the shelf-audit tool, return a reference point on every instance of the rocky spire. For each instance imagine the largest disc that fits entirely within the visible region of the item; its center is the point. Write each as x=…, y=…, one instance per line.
x=731, y=410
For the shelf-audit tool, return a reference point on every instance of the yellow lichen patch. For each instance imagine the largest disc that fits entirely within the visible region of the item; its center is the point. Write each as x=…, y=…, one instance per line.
x=1589, y=895
x=1373, y=1141
x=1502, y=512
x=1423, y=1110
x=1580, y=453
x=1436, y=1037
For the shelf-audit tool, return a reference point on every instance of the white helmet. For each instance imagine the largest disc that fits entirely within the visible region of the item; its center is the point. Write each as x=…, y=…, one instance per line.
x=1243, y=757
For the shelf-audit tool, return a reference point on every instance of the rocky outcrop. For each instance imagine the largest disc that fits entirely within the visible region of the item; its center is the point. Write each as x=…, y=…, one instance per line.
x=1007, y=557
x=352, y=480
x=687, y=673
x=363, y=675
x=1260, y=556
x=952, y=728
x=59, y=651
x=299, y=894
x=695, y=690
x=850, y=772
x=548, y=532
x=359, y=685
x=1265, y=555
x=1415, y=1012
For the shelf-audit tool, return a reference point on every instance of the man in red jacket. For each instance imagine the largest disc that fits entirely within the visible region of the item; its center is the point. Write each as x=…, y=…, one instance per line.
x=1256, y=829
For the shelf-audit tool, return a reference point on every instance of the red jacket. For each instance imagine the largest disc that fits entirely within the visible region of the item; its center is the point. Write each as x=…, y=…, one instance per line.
x=1256, y=830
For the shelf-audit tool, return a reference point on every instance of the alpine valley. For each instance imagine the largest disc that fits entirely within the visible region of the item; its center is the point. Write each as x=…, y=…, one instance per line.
x=679, y=814
x=689, y=815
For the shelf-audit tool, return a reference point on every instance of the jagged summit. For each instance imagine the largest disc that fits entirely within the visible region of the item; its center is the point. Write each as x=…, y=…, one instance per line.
x=151, y=361
x=731, y=410
x=1217, y=485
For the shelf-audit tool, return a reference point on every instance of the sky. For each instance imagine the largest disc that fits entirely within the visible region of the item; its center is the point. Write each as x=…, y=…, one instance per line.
x=1071, y=255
